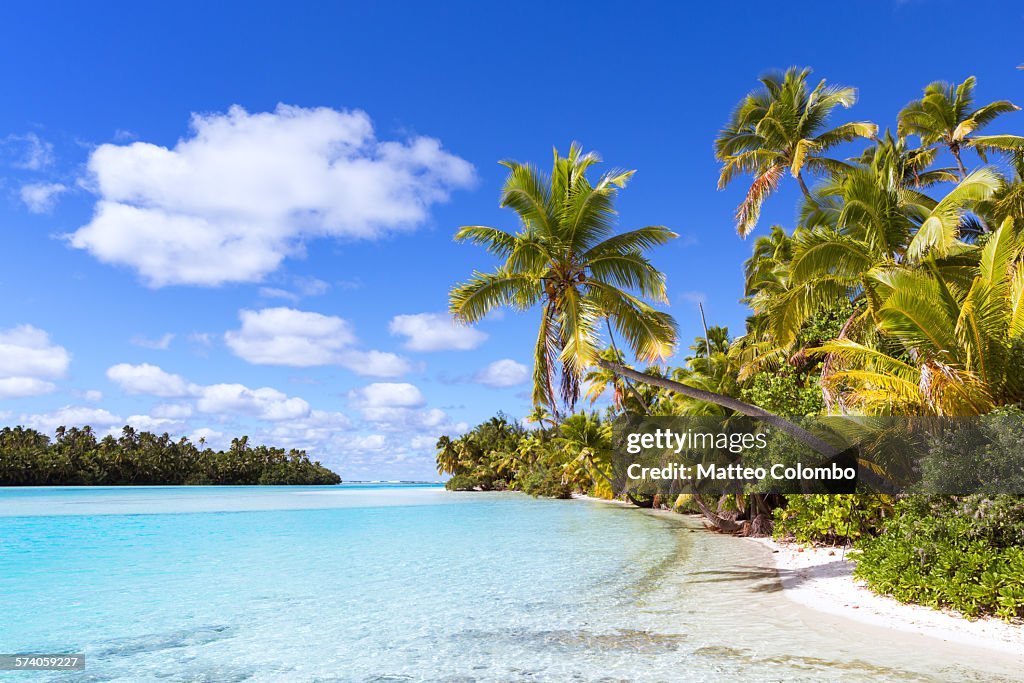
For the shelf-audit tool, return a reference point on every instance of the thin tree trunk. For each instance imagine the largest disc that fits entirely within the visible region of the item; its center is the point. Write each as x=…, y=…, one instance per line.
x=796, y=431
x=707, y=339
x=955, y=149
x=719, y=522
x=803, y=187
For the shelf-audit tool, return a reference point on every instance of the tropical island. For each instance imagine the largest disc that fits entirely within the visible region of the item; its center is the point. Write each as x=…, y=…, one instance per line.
x=139, y=458
x=899, y=291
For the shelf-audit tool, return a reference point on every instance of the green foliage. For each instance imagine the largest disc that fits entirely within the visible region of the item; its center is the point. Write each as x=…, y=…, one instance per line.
x=548, y=482
x=501, y=454
x=567, y=257
x=830, y=519
x=76, y=458
x=981, y=454
x=965, y=553
x=461, y=482
x=785, y=392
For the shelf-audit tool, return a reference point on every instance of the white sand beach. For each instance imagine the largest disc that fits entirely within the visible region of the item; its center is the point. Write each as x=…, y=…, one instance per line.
x=821, y=578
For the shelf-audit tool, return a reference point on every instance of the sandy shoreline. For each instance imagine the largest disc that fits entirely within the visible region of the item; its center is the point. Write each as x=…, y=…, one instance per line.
x=821, y=579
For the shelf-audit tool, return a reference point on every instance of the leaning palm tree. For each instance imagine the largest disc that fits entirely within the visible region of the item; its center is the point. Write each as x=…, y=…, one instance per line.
x=783, y=127
x=567, y=258
x=945, y=116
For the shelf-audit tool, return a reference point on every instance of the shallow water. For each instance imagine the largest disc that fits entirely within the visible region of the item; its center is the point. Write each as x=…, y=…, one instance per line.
x=414, y=583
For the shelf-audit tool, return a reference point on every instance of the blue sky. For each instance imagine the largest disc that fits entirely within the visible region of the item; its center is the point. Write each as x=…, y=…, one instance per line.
x=177, y=252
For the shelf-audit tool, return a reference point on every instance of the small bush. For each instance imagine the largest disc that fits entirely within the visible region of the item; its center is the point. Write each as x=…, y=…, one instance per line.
x=548, y=483
x=831, y=519
x=461, y=482
x=965, y=553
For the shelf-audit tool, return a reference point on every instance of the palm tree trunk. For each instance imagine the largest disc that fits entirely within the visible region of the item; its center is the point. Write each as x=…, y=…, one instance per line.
x=803, y=186
x=819, y=445
x=716, y=520
x=955, y=149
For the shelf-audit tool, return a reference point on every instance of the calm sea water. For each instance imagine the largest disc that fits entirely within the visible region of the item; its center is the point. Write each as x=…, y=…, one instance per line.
x=375, y=583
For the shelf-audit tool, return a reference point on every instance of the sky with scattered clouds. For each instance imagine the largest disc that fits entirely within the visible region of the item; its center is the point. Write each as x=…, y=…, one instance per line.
x=222, y=220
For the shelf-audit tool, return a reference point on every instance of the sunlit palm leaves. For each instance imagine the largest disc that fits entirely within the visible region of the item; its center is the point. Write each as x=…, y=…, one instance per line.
x=779, y=128
x=957, y=343
x=945, y=116
x=566, y=257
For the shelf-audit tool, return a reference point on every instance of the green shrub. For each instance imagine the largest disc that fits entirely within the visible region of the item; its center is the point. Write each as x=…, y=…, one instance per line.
x=837, y=518
x=965, y=553
x=461, y=482
x=547, y=482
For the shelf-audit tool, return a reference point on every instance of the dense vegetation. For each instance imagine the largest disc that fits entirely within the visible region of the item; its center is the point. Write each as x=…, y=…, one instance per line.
x=898, y=292
x=77, y=457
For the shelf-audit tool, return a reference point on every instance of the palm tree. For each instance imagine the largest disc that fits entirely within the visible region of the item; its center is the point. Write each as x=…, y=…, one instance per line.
x=945, y=116
x=447, y=456
x=567, y=258
x=857, y=222
x=541, y=417
x=904, y=166
x=950, y=345
x=1008, y=200
x=598, y=380
x=765, y=268
x=783, y=127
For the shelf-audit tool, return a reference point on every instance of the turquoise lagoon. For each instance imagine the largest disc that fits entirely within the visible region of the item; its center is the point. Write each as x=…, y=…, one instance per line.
x=409, y=583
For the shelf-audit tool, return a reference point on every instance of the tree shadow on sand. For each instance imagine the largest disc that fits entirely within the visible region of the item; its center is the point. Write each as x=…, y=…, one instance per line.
x=771, y=580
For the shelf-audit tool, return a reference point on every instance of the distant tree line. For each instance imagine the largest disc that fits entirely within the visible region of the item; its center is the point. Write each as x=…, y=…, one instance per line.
x=76, y=457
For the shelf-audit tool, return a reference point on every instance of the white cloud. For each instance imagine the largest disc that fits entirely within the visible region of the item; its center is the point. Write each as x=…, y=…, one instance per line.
x=93, y=395
x=28, y=360
x=20, y=387
x=157, y=425
x=375, y=363
x=435, y=332
x=72, y=416
x=503, y=373
x=161, y=343
x=244, y=191
x=204, y=339
x=391, y=395
x=263, y=403
x=422, y=443
x=41, y=197
x=309, y=433
x=32, y=153
x=173, y=411
x=285, y=336
x=311, y=286
x=150, y=380
x=370, y=442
